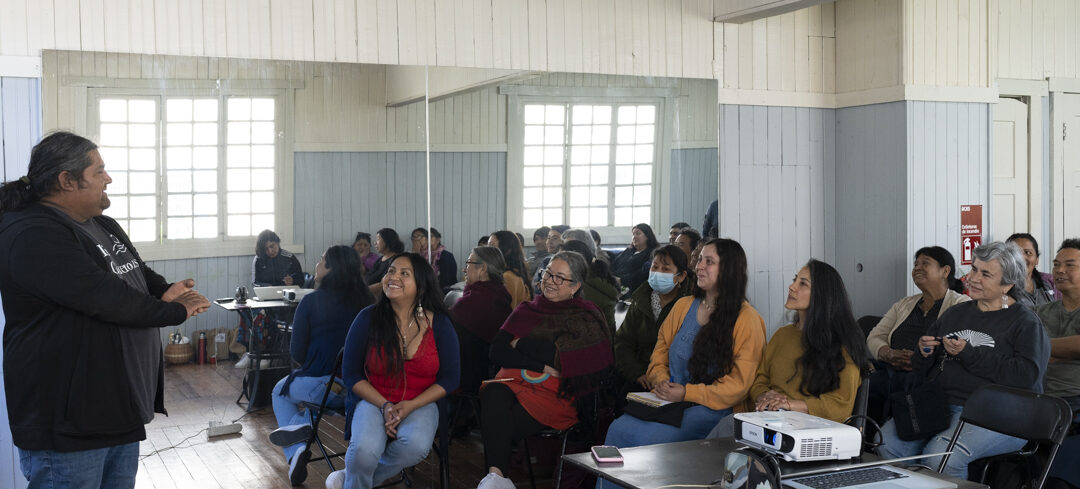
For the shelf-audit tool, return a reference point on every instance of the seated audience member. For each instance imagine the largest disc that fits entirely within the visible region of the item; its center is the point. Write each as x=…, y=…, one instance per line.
x=521, y=241
x=892, y=342
x=540, y=250
x=600, y=286
x=318, y=333
x=649, y=306
x=676, y=229
x=362, y=245
x=601, y=254
x=440, y=258
x=1062, y=322
x=514, y=273
x=480, y=313
x=815, y=364
x=1040, y=286
x=992, y=339
x=706, y=353
x=401, y=356
x=632, y=265
x=273, y=265
x=695, y=255
x=483, y=241
x=387, y=244
x=554, y=241
x=687, y=240
x=555, y=352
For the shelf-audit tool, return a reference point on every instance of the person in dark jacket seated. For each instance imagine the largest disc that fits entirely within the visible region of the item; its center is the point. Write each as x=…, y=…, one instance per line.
x=480, y=313
x=319, y=327
x=991, y=339
x=649, y=306
x=82, y=340
x=387, y=244
x=632, y=264
x=440, y=258
x=273, y=265
x=601, y=287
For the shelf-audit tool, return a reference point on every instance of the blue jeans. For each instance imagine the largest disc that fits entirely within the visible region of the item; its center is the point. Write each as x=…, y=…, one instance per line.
x=287, y=408
x=112, y=467
x=974, y=443
x=372, y=457
x=628, y=431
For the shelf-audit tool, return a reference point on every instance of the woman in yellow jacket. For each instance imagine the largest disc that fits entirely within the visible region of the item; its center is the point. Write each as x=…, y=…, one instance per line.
x=707, y=351
x=815, y=364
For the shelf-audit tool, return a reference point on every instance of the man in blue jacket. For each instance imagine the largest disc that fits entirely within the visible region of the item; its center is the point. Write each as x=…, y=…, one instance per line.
x=82, y=351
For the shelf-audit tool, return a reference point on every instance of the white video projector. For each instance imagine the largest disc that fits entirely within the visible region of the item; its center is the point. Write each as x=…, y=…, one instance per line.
x=798, y=437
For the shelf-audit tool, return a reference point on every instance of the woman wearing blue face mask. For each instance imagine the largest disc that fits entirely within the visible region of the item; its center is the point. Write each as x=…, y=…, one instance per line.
x=649, y=305
x=707, y=351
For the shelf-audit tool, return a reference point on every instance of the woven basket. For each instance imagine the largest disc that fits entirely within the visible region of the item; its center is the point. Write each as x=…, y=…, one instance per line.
x=177, y=354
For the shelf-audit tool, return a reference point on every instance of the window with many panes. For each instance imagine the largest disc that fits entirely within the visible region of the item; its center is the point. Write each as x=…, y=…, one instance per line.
x=588, y=164
x=186, y=168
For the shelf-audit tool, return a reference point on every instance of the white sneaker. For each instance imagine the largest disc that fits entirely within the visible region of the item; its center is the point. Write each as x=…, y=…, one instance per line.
x=491, y=481
x=244, y=361
x=336, y=480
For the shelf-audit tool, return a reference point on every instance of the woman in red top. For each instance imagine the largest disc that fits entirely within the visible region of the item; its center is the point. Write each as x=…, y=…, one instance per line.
x=553, y=351
x=401, y=355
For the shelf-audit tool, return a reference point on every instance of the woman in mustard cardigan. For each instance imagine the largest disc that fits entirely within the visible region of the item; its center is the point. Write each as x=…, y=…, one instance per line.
x=815, y=364
x=707, y=351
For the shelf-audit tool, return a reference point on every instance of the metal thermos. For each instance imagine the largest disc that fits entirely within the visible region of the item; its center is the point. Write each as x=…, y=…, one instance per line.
x=241, y=295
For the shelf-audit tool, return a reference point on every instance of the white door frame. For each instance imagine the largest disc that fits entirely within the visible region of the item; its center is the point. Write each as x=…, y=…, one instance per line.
x=1032, y=91
x=1056, y=87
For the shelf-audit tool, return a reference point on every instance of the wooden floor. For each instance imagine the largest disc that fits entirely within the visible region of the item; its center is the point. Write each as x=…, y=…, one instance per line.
x=177, y=454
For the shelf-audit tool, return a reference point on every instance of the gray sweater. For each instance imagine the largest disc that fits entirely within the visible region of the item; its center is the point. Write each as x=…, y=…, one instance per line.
x=1006, y=346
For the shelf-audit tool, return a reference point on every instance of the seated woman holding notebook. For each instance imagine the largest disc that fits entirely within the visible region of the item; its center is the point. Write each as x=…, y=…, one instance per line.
x=813, y=365
x=705, y=357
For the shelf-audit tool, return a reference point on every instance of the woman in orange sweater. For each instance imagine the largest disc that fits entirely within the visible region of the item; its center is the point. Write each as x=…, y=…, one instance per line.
x=707, y=351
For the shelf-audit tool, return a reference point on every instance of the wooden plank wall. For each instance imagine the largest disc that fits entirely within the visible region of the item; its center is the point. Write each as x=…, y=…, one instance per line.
x=948, y=43
x=948, y=164
x=339, y=194
x=20, y=124
x=20, y=129
x=868, y=42
x=634, y=37
x=792, y=52
x=1035, y=39
x=872, y=205
x=693, y=184
x=777, y=168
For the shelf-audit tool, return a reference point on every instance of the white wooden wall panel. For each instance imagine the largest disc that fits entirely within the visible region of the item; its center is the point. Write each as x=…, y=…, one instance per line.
x=868, y=43
x=642, y=37
x=1035, y=39
x=775, y=194
x=943, y=43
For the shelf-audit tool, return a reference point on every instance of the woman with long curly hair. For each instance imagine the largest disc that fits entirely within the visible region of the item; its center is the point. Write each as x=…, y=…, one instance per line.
x=814, y=365
x=401, y=356
x=706, y=354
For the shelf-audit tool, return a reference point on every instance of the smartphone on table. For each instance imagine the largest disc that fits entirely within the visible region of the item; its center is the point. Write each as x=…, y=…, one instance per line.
x=606, y=454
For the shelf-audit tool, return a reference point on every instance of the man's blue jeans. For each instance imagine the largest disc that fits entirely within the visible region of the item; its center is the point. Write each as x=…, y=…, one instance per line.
x=112, y=467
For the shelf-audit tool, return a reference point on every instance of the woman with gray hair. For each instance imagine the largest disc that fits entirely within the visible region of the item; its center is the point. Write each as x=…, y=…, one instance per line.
x=554, y=352
x=481, y=311
x=992, y=339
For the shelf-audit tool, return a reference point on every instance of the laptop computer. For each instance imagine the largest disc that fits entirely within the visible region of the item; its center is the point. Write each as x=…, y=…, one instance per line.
x=869, y=475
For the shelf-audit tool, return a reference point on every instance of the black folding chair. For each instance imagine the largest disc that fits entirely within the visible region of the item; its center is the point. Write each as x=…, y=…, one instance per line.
x=1039, y=418
x=316, y=413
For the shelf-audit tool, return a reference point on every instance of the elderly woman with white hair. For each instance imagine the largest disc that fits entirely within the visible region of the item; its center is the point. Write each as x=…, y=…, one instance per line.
x=992, y=339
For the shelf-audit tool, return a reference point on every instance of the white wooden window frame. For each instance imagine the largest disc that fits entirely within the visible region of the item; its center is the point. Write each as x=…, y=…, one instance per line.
x=223, y=245
x=521, y=95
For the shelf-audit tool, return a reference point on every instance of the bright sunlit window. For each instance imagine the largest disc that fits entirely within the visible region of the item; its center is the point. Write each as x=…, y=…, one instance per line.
x=187, y=168
x=588, y=165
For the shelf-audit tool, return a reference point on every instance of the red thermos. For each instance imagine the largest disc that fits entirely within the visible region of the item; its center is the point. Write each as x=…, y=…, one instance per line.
x=202, y=348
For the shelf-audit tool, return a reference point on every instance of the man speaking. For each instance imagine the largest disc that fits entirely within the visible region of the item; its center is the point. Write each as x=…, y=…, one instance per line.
x=82, y=350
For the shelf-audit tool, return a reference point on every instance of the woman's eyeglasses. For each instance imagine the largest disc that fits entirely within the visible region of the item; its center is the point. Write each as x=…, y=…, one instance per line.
x=555, y=279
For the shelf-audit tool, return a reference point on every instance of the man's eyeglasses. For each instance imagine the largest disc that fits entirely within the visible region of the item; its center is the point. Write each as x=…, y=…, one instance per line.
x=555, y=279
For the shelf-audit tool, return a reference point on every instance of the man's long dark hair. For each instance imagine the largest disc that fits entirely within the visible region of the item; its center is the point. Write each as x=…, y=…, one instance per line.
x=830, y=330
x=383, y=335
x=345, y=277
x=713, y=354
x=56, y=153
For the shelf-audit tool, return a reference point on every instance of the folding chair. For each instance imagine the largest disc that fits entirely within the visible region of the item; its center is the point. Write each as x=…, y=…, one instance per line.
x=316, y=413
x=1038, y=418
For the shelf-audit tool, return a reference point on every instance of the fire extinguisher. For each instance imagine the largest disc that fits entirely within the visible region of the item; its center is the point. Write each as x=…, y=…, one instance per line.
x=202, y=348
